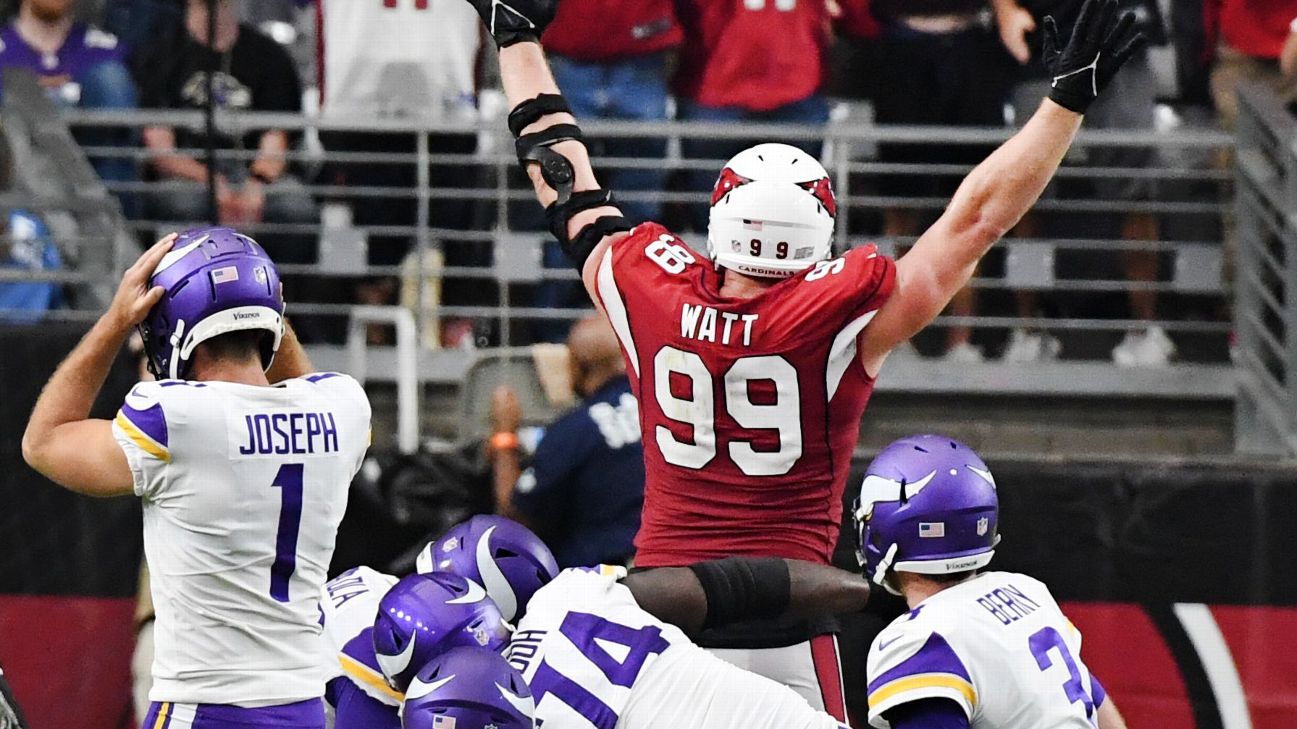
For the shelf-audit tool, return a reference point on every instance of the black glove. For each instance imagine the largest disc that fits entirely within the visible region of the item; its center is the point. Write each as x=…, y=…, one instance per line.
x=1099, y=46
x=515, y=21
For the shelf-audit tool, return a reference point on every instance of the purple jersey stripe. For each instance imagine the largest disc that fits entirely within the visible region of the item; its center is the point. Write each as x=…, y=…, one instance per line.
x=1097, y=693
x=150, y=421
x=935, y=656
x=322, y=376
x=307, y=714
x=361, y=648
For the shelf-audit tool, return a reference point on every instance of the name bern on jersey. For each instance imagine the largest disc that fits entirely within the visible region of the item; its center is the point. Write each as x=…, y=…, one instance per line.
x=280, y=433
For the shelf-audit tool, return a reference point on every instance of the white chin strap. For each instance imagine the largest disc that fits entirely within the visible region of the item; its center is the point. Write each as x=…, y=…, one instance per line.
x=885, y=564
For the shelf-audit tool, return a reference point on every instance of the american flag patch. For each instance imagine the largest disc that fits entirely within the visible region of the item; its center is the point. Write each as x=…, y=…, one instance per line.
x=225, y=275
x=753, y=225
x=443, y=722
x=932, y=529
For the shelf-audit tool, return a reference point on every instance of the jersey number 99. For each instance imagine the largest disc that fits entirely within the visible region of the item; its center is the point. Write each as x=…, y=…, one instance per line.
x=698, y=411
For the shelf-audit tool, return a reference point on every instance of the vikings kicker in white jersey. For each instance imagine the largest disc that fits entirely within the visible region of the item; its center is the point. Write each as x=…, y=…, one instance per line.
x=243, y=489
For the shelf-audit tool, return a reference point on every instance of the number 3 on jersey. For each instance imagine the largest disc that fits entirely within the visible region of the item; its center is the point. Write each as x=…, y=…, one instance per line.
x=697, y=409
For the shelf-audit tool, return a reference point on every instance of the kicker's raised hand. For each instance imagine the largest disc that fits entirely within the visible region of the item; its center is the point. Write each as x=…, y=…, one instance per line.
x=1100, y=44
x=515, y=21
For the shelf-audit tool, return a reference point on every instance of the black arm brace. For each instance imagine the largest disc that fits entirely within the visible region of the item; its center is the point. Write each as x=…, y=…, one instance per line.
x=555, y=169
x=558, y=173
x=744, y=588
x=530, y=111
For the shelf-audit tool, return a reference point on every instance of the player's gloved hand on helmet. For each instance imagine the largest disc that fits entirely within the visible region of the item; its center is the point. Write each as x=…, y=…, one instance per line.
x=1099, y=46
x=515, y=21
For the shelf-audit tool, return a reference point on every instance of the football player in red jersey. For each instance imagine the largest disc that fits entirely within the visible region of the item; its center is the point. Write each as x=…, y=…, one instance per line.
x=753, y=363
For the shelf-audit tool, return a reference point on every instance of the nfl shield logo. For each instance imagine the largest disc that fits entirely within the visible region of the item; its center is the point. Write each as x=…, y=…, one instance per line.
x=480, y=635
x=451, y=545
x=982, y=525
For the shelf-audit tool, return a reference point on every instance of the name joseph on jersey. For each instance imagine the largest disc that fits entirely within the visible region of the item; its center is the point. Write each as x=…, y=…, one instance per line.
x=280, y=433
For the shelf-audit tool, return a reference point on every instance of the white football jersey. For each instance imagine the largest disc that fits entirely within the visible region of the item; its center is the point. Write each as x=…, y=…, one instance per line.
x=348, y=607
x=595, y=660
x=998, y=645
x=243, y=489
x=414, y=58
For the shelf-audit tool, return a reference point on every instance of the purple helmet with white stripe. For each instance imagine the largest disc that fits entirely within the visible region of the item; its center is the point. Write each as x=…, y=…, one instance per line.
x=927, y=505
x=468, y=688
x=497, y=553
x=423, y=616
x=217, y=281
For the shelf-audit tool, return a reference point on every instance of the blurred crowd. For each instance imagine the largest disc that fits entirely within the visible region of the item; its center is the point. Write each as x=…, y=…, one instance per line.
x=945, y=62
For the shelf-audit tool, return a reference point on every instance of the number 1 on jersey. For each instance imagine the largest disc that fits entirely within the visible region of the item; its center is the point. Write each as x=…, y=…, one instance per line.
x=289, y=480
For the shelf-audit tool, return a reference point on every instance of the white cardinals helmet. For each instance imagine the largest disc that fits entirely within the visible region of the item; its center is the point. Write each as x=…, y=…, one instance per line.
x=772, y=212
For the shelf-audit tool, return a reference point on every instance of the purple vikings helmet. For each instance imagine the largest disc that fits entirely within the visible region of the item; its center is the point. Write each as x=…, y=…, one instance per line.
x=217, y=281
x=927, y=505
x=498, y=553
x=468, y=688
x=423, y=616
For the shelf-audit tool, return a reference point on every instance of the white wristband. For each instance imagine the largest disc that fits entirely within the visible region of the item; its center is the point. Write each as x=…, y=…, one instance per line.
x=1292, y=27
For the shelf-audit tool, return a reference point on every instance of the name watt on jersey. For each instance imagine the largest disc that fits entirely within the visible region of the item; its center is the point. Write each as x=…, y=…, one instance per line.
x=701, y=323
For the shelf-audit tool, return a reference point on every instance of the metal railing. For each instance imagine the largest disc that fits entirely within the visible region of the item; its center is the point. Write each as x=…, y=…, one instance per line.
x=51, y=178
x=495, y=254
x=1265, y=311
x=475, y=240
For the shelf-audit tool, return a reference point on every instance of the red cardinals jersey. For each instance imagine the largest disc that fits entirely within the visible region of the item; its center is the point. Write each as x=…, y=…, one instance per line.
x=1256, y=27
x=753, y=54
x=750, y=408
x=627, y=28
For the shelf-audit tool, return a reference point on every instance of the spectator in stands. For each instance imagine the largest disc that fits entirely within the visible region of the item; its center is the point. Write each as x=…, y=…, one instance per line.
x=138, y=23
x=1257, y=41
x=941, y=66
x=1130, y=106
x=749, y=61
x=26, y=245
x=617, y=73
x=585, y=487
x=405, y=61
x=253, y=74
x=79, y=66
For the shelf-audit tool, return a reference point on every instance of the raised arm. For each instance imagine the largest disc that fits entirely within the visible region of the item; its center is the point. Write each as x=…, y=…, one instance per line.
x=62, y=441
x=581, y=215
x=719, y=592
x=1000, y=190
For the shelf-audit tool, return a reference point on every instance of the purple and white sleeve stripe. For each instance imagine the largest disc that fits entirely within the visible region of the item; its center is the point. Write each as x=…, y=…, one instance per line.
x=150, y=421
